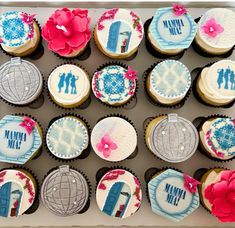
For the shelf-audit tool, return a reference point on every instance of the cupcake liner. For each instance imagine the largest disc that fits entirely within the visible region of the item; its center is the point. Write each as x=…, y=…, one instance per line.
x=82, y=106
x=153, y=51
x=35, y=204
x=40, y=125
x=150, y=99
x=129, y=58
x=201, y=120
x=135, y=152
x=37, y=53
x=198, y=175
x=131, y=103
x=203, y=53
x=83, y=56
x=196, y=94
x=151, y=172
x=86, y=207
x=35, y=104
x=145, y=125
x=85, y=153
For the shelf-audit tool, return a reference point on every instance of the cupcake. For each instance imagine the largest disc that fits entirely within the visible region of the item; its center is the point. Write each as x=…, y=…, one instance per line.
x=114, y=139
x=216, y=83
x=18, y=190
x=168, y=83
x=19, y=33
x=216, y=33
x=69, y=85
x=67, y=32
x=171, y=138
x=65, y=191
x=21, y=82
x=118, y=193
x=67, y=137
x=217, y=193
x=118, y=33
x=170, y=31
x=20, y=139
x=173, y=194
x=114, y=84
x=217, y=138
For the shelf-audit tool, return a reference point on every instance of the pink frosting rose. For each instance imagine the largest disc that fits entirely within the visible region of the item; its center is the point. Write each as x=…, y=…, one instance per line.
x=221, y=196
x=67, y=31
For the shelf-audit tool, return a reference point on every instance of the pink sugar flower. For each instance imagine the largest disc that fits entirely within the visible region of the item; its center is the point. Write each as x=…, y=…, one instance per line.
x=131, y=74
x=190, y=183
x=212, y=28
x=179, y=9
x=28, y=124
x=106, y=145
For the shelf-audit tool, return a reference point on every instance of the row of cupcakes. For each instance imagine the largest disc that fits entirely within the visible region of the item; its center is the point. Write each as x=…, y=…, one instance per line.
x=114, y=138
x=172, y=194
x=167, y=84
x=119, y=32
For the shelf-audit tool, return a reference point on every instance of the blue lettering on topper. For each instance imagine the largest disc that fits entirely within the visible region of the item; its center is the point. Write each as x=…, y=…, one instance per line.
x=174, y=194
x=226, y=79
x=15, y=139
x=174, y=26
x=69, y=81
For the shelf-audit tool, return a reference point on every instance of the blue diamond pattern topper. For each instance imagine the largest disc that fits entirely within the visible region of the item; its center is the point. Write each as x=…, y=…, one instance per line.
x=171, y=31
x=169, y=198
x=17, y=146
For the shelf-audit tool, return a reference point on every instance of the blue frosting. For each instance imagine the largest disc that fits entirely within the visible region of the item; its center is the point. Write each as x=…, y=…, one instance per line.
x=169, y=198
x=16, y=145
x=13, y=31
x=172, y=32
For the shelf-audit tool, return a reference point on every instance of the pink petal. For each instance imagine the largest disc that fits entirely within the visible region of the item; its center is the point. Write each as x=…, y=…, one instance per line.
x=226, y=174
x=106, y=152
x=63, y=17
x=76, y=40
x=113, y=146
x=66, y=51
x=209, y=194
x=221, y=207
x=220, y=189
x=105, y=139
x=58, y=44
x=80, y=24
x=231, y=197
x=231, y=186
x=99, y=147
x=80, y=12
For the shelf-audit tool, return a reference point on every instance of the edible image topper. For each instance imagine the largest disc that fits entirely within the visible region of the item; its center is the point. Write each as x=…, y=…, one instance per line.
x=172, y=31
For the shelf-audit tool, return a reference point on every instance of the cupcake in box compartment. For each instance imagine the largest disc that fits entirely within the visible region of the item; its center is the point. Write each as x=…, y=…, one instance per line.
x=65, y=191
x=69, y=85
x=114, y=139
x=21, y=82
x=20, y=139
x=217, y=138
x=19, y=33
x=67, y=137
x=67, y=32
x=114, y=84
x=216, y=83
x=217, y=193
x=18, y=189
x=119, y=193
x=118, y=33
x=171, y=31
x=171, y=138
x=168, y=82
x=216, y=33
x=172, y=194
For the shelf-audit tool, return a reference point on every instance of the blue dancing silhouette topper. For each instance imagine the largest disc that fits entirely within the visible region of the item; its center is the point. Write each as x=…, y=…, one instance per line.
x=67, y=83
x=226, y=79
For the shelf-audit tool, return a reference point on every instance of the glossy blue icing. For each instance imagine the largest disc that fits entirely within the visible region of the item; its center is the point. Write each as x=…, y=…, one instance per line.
x=13, y=31
x=67, y=83
x=13, y=139
x=169, y=198
x=226, y=79
x=172, y=32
